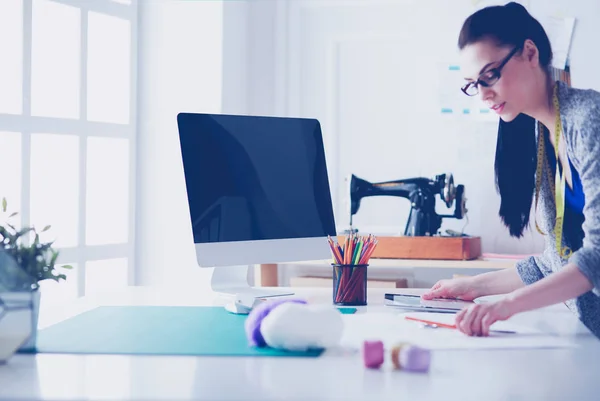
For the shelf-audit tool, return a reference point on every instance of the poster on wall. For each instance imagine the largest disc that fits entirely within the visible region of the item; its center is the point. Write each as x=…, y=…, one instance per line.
x=452, y=100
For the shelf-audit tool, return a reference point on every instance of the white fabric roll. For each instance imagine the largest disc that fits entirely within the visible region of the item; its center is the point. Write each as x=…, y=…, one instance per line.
x=299, y=327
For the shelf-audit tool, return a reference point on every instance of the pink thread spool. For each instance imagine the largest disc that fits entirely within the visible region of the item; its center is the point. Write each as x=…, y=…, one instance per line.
x=373, y=354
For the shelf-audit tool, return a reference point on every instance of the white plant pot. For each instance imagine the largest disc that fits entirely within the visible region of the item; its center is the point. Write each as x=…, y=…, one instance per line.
x=30, y=345
x=35, y=296
x=16, y=322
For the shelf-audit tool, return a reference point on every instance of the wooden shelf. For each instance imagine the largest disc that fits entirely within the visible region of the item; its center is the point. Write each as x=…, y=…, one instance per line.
x=269, y=275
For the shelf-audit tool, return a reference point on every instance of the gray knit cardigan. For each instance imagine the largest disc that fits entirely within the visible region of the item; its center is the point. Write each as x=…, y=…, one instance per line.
x=580, y=115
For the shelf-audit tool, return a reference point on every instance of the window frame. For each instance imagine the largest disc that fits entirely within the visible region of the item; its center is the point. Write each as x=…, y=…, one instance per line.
x=26, y=125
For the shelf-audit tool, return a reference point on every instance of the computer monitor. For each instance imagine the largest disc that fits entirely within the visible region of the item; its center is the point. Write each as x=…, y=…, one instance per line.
x=258, y=192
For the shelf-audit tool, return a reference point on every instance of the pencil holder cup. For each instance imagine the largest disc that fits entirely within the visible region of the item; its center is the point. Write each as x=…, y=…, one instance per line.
x=350, y=284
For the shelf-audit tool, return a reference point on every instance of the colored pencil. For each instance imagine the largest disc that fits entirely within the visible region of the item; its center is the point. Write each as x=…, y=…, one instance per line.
x=450, y=326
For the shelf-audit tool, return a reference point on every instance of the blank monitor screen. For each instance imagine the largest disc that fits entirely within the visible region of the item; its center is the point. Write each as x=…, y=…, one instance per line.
x=255, y=178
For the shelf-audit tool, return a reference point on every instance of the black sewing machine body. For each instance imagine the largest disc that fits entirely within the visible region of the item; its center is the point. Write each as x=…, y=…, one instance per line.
x=421, y=192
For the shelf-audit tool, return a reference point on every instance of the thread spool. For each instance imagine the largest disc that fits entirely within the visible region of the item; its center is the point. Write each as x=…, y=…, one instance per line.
x=395, y=355
x=410, y=358
x=415, y=359
x=373, y=354
x=404, y=356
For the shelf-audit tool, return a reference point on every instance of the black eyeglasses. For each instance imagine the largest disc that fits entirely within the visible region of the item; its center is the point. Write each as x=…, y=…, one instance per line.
x=489, y=77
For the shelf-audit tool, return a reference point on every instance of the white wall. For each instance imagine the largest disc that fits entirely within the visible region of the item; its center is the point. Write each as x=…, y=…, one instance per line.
x=366, y=70
x=180, y=68
x=242, y=57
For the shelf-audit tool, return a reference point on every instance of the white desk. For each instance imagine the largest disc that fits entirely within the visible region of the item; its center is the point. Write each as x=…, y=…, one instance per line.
x=540, y=374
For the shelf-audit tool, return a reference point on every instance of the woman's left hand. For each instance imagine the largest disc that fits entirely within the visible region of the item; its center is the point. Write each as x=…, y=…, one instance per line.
x=476, y=320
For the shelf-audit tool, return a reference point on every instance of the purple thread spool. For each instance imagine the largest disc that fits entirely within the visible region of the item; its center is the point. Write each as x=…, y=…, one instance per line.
x=415, y=359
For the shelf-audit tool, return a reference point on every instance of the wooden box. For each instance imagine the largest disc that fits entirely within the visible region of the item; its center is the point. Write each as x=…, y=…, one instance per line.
x=437, y=248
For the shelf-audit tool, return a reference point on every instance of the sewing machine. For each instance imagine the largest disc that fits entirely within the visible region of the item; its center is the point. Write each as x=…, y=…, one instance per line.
x=423, y=219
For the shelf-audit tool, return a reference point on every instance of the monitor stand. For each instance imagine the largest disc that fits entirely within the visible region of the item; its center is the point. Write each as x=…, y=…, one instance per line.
x=233, y=280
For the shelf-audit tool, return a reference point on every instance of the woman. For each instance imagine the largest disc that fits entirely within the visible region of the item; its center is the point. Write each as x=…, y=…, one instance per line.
x=506, y=57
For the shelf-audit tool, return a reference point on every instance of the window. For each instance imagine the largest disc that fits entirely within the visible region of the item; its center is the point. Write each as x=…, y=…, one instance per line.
x=67, y=129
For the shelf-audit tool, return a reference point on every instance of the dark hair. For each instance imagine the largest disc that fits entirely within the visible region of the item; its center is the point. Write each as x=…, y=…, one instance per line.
x=515, y=164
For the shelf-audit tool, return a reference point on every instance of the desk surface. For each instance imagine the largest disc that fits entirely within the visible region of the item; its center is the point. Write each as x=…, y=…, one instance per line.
x=538, y=374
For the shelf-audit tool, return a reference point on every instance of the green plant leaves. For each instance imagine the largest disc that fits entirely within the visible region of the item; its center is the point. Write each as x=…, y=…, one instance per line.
x=23, y=266
x=54, y=256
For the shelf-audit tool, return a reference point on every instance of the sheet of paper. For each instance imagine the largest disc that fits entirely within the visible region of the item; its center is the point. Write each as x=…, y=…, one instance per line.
x=408, y=308
x=450, y=319
x=394, y=328
x=560, y=33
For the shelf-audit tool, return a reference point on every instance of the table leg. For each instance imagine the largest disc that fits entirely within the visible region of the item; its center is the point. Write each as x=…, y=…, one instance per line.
x=268, y=275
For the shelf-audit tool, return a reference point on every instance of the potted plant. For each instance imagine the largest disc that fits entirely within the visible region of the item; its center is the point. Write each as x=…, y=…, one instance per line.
x=24, y=263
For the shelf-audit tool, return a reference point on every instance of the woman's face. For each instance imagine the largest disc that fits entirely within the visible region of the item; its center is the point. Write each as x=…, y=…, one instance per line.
x=510, y=94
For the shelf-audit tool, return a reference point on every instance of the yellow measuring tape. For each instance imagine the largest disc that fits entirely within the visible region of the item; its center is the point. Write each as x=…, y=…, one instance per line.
x=559, y=180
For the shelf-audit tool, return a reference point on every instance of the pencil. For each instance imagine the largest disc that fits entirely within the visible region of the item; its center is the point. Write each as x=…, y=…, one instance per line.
x=451, y=326
x=445, y=325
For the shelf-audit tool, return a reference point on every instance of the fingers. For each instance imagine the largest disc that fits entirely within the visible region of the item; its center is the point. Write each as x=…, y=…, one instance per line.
x=460, y=317
x=467, y=321
x=476, y=320
x=486, y=322
x=434, y=292
x=478, y=314
x=431, y=294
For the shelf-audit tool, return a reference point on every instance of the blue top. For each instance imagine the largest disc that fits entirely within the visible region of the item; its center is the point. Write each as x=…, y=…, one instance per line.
x=574, y=197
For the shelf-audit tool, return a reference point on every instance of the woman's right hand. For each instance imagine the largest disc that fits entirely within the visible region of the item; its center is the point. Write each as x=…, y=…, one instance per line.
x=464, y=288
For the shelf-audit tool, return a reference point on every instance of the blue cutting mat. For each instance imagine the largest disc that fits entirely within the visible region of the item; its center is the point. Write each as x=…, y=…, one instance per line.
x=156, y=330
